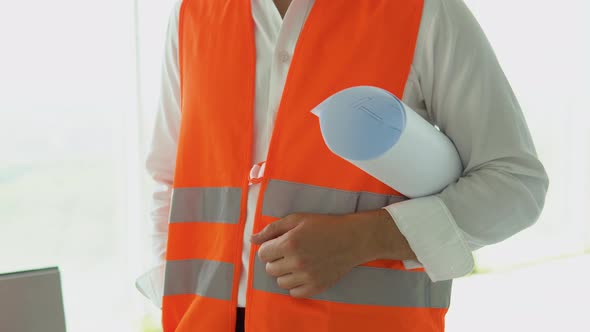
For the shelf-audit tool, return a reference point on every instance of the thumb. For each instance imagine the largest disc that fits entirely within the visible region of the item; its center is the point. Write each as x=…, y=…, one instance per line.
x=276, y=229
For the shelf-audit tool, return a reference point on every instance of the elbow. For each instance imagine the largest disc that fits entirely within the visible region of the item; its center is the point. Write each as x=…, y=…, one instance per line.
x=537, y=187
x=528, y=206
x=514, y=202
x=530, y=183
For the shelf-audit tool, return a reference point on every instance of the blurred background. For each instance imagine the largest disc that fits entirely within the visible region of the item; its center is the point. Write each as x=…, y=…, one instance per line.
x=79, y=87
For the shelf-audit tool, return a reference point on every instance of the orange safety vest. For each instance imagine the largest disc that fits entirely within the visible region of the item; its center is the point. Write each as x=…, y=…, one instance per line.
x=344, y=43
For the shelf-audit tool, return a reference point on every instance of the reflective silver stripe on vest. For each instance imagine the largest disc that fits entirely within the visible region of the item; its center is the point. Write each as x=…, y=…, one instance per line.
x=283, y=198
x=202, y=277
x=220, y=205
x=373, y=286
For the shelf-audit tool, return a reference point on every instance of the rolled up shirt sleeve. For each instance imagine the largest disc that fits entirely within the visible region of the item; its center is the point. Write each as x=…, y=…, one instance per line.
x=466, y=94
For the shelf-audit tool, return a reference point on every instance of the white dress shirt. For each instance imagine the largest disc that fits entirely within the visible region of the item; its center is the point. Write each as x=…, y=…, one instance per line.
x=455, y=83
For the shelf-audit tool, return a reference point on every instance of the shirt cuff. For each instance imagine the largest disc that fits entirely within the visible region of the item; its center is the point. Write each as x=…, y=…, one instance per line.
x=434, y=236
x=151, y=284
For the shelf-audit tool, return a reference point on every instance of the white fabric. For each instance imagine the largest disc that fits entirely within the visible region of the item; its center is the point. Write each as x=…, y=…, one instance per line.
x=455, y=83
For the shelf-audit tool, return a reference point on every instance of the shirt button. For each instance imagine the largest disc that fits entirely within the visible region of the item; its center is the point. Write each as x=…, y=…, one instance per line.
x=284, y=57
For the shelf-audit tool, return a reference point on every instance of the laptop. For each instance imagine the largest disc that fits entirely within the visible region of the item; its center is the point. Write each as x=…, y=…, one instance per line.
x=31, y=301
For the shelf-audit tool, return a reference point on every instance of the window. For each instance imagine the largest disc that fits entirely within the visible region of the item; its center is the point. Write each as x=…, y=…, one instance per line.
x=68, y=125
x=543, y=48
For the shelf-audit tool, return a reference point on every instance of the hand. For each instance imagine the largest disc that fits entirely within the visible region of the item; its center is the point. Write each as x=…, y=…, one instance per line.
x=309, y=253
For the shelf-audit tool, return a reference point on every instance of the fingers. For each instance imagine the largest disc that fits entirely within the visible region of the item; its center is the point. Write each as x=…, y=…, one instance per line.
x=303, y=291
x=276, y=229
x=291, y=281
x=282, y=267
x=270, y=251
x=277, y=268
x=298, y=283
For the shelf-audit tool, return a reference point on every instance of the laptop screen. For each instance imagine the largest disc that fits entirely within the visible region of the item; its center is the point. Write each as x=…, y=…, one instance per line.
x=31, y=301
